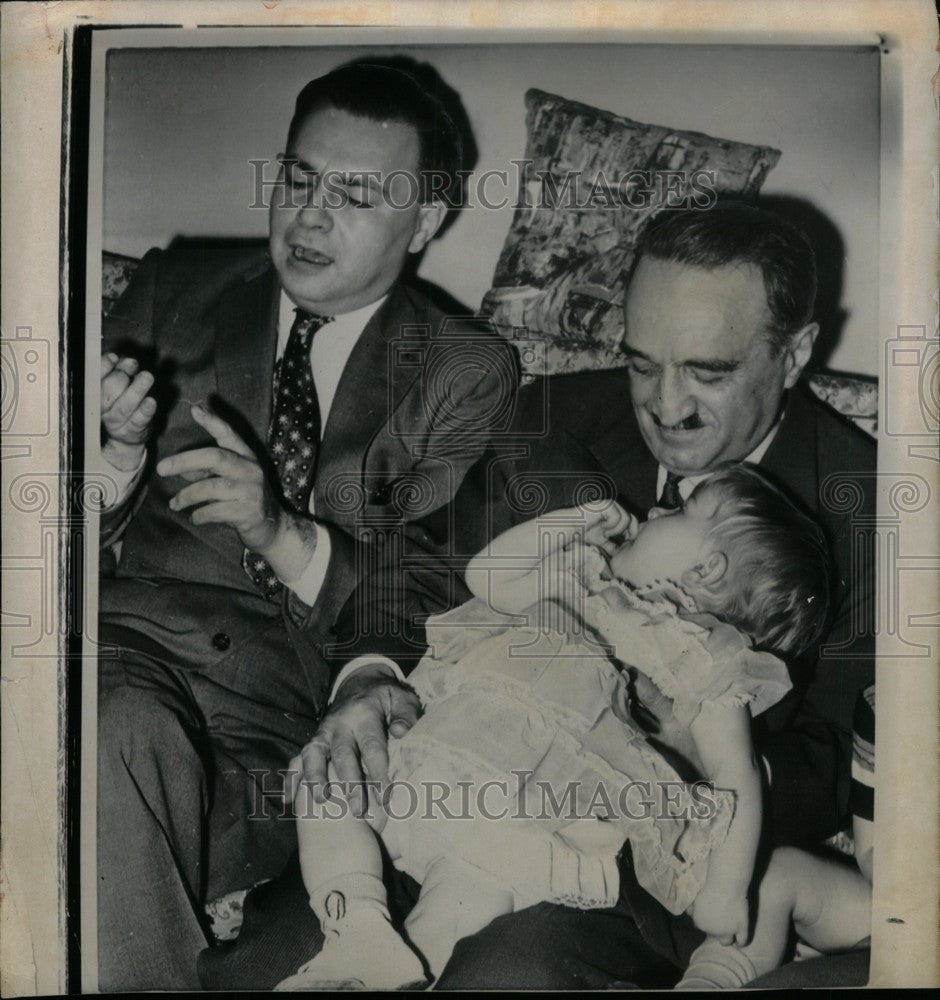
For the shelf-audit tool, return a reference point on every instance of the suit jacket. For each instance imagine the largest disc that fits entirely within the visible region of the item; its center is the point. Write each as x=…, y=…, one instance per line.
x=413, y=410
x=592, y=446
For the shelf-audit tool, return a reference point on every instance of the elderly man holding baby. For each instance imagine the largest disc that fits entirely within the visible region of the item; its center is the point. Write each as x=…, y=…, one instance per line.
x=718, y=331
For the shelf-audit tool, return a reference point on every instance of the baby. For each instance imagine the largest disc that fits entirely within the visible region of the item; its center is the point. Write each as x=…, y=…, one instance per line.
x=686, y=610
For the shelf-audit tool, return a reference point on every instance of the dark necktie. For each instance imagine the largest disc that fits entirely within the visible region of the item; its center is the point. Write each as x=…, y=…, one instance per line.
x=670, y=498
x=293, y=435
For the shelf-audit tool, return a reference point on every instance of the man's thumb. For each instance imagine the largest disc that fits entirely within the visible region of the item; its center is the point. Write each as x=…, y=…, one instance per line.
x=403, y=714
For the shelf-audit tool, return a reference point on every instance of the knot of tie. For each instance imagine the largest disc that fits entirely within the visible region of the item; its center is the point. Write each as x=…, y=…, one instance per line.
x=307, y=324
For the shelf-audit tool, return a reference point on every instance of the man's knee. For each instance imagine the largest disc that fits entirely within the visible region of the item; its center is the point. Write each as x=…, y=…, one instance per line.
x=142, y=720
x=513, y=952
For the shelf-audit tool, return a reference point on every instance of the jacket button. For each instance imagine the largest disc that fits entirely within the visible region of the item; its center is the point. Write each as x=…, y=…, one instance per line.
x=221, y=641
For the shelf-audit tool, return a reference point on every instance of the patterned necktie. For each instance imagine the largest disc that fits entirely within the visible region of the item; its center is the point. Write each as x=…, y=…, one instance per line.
x=293, y=435
x=671, y=498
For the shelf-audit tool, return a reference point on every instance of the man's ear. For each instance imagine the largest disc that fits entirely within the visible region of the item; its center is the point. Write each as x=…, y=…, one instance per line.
x=798, y=352
x=707, y=573
x=430, y=219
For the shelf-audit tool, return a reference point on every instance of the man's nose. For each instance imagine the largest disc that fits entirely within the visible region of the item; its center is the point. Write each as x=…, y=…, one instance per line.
x=312, y=212
x=313, y=215
x=673, y=401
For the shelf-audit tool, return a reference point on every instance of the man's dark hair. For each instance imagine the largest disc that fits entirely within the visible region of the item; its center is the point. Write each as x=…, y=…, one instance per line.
x=733, y=232
x=388, y=93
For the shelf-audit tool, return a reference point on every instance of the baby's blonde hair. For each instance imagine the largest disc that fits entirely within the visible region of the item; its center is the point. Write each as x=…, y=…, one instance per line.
x=776, y=588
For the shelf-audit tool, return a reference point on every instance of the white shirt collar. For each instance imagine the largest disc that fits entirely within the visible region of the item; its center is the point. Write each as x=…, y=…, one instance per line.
x=330, y=348
x=688, y=483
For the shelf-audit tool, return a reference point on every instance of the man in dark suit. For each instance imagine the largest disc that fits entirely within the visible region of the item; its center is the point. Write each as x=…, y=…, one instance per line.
x=271, y=418
x=718, y=331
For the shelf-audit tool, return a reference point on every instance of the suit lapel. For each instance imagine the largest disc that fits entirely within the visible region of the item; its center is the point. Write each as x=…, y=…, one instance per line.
x=623, y=454
x=245, y=348
x=365, y=396
x=791, y=457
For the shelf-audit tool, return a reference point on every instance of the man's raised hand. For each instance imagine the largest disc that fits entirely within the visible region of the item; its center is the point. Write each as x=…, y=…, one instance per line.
x=227, y=485
x=127, y=411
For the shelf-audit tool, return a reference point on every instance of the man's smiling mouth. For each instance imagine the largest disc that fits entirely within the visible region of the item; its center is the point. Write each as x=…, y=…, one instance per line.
x=693, y=422
x=310, y=256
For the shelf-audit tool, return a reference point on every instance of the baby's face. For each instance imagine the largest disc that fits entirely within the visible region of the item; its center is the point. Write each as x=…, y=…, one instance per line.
x=666, y=545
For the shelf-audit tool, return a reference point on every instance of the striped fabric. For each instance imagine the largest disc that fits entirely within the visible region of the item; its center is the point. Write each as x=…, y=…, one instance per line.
x=862, y=793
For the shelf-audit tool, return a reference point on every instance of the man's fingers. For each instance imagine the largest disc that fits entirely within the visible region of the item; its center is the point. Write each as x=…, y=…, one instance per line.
x=117, y=383
x=213, y=488
x=221, y=431
x=404, y=712
x=373, y=750
x=120, y=398
x=208, y=461
x=108, y=361
x=346, y=760
x=348, y=770
x=140, y=419
x=295, y=772
x=230, y=512
x=315, y=758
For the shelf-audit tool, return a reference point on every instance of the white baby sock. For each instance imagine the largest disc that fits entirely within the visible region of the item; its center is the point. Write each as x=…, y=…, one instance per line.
x=361, y=948
x=717, y=966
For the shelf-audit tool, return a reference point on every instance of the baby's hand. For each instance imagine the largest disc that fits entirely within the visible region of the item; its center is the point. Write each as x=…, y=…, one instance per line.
x=722, y=915
x=604, y=520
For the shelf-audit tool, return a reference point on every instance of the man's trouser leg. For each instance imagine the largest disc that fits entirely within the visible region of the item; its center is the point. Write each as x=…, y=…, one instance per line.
x=152, y=804
x=183, y=756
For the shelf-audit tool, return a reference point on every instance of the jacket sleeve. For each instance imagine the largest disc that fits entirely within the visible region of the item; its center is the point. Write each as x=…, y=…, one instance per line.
x=386, y=613
x=808, y=738
x=463, y=416
x=128, y=330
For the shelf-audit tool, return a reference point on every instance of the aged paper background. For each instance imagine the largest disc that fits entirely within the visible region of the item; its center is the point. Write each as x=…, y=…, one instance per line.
x=34, y=922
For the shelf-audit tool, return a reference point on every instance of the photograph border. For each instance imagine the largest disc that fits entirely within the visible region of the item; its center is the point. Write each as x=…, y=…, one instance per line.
x=46, y=923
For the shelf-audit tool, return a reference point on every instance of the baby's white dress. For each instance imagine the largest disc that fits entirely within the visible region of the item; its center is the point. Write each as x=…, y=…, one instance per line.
x=526, y=764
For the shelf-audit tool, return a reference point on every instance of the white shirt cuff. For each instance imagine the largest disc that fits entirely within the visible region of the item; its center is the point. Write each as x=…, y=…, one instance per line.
x=126, y=482
x=767, y=771
x=362, y=661
x=308, y=585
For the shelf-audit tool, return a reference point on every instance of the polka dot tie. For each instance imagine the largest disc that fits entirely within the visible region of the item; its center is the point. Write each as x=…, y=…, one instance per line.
x=293, y=435
x=671, y=498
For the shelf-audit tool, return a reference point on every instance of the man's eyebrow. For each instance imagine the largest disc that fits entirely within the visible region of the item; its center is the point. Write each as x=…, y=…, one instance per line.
x=632, y=352
x=360, y=178
x=352, y=178
x=717, y=365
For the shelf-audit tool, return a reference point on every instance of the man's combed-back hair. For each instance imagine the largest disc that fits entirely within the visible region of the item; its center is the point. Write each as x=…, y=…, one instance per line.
x=777, y=585
x=388, y=93
x=734, y=233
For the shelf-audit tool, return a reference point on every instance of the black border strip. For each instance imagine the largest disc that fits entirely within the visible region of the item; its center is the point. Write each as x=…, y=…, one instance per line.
x=76, y=106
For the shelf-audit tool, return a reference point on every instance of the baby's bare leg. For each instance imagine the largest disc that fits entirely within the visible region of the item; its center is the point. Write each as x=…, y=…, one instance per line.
x=828, y=903
x=341, y=865
x=456, y=901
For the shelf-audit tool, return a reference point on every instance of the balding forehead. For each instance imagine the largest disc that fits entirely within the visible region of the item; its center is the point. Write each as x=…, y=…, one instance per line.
x=678, y=312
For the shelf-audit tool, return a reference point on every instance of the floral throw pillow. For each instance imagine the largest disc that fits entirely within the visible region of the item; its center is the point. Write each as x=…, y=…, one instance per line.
x=595, y=180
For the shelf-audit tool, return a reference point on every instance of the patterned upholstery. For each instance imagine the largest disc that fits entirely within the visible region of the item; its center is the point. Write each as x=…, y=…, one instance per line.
x=596, y=180
x=116, y=273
